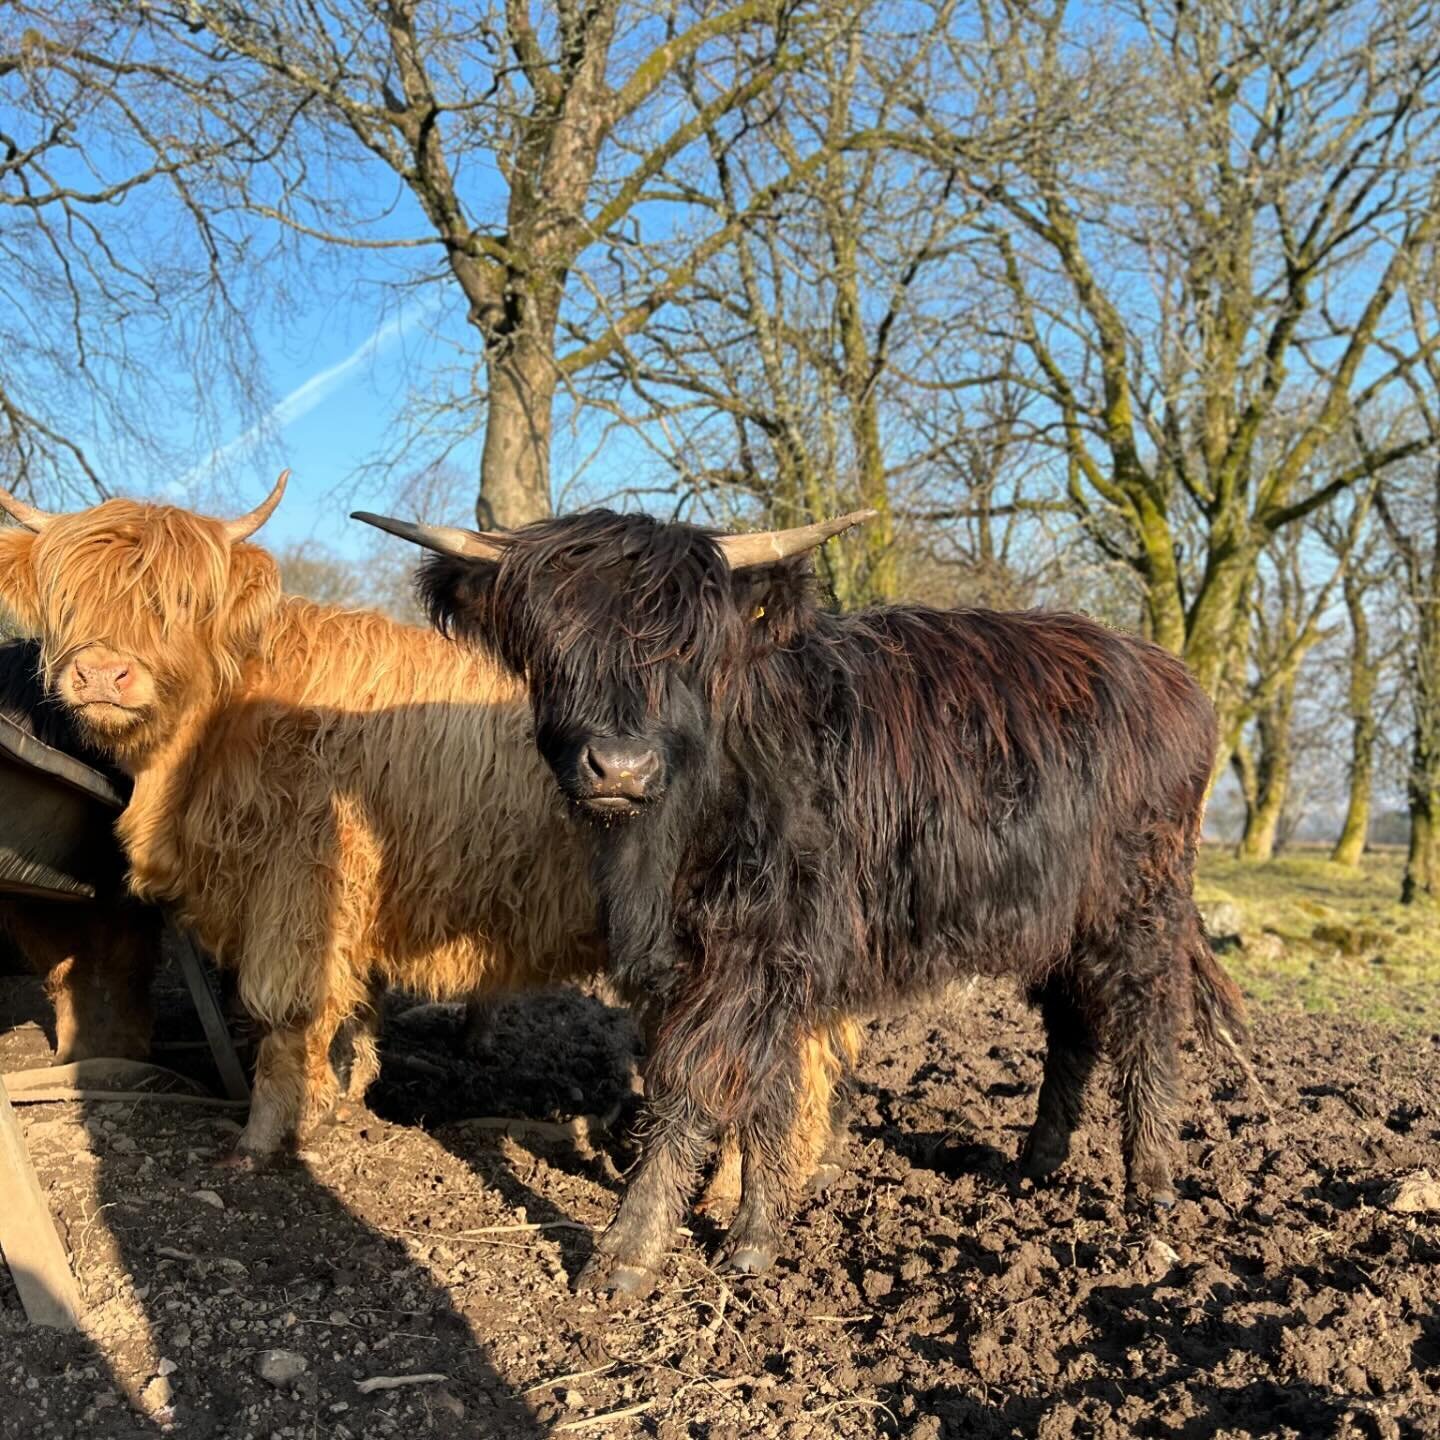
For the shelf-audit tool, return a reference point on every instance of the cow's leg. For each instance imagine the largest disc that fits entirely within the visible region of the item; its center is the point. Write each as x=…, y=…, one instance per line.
x=784, y=1139
x=475, y=1039
x=1141, y=1023
x=1071, y=1050
x=277, y=1098
x=295, y=1086
x=631, y=1249
x=815, y=1147
x=753, y=1240
x=359, y=1038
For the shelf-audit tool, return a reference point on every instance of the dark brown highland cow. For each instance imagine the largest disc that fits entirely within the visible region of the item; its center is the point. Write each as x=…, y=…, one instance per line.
x=797, y=814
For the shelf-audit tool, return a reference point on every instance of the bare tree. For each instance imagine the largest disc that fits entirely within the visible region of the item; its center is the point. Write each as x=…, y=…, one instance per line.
x=1286, y=624
x=503, y=139
x=125, y=289
x=1202, y=218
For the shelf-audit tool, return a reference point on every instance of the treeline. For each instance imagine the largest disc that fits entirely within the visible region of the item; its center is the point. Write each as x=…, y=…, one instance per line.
x=1129, y=307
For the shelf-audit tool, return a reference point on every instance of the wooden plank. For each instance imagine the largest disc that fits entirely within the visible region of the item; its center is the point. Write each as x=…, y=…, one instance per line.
x=17, y=741
x=207, y=1004
x=98, y=1073
x=28, y=1236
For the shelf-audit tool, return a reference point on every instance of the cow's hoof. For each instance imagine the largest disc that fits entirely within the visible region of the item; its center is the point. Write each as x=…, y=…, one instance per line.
x=248, y=1162
x=629, y=1282
x=347, y=1114
x=749, y=1260
x=1041, y=1158
x=1155, y=1201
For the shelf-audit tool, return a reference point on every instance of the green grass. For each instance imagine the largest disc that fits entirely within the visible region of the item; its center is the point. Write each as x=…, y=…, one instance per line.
x=1319, y=910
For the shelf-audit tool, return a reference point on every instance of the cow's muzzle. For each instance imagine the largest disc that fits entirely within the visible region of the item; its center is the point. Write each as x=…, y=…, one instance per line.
x=614, y=776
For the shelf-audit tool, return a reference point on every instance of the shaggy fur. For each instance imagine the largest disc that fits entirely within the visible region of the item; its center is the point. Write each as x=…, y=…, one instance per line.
x=336, y=803
x=96, y=957
x=851, y=810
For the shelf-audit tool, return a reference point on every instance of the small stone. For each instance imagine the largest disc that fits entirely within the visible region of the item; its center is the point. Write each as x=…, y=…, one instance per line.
x=158, y=1394
x=166, y=1367
x=451, y=1403
x=280, y=1367
x=1414, y=1195
x=1266, y=946
x=1158, y=1259
x=572, y=1399
x=208, y=1197
x=1223, y=919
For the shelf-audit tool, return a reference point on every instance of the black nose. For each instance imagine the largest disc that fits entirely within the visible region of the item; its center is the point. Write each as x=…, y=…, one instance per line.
x=619, y=767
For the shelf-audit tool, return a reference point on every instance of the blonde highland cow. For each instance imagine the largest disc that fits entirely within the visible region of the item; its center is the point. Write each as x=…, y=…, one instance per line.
x=334, y=802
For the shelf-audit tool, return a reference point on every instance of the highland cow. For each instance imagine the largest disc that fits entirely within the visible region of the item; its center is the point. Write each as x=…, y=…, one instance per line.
x=796, y=814
x=334, y=802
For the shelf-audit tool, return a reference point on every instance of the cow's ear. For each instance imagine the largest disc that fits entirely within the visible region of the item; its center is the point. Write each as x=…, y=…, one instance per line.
x=253, y=595
x=18, y=592
x=458, y=596
x=779, y=601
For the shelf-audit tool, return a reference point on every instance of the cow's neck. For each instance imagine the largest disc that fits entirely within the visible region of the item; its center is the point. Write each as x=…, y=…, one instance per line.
x=150, y=829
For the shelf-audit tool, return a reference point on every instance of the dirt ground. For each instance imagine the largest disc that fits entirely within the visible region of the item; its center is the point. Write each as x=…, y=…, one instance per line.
x=927, y=1294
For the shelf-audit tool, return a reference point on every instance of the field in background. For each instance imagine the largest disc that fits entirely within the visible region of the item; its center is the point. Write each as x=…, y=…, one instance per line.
x=1325, y=938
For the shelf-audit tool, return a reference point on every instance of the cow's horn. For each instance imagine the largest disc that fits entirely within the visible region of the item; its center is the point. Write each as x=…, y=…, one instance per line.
x=443, y=539
x=767, y=546
x=27, y=515
x=246, y=525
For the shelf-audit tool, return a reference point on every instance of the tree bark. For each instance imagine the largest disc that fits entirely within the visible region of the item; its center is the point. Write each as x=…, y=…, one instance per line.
x=1424, y=784
x=1271, y=779
x=515, y=463
x=1351, y=844
x=1419, y=882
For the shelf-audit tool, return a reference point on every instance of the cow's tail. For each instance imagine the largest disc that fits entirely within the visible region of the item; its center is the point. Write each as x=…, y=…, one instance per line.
x=1219, y=1007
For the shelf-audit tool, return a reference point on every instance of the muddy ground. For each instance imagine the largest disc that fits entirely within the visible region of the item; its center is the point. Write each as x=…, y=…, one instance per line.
x=928, y=1294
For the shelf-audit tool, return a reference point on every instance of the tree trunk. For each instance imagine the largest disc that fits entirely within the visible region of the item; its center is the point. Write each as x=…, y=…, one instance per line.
x=1272, y=779
x=1424, y=784
x=1351, y=844
x=515, y=464
x=1424, y=798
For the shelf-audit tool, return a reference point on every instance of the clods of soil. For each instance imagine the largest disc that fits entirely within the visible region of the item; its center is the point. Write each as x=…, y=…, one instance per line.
x=411, y=1275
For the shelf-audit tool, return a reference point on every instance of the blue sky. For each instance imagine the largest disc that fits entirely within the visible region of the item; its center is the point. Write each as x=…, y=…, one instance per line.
x=338, y=372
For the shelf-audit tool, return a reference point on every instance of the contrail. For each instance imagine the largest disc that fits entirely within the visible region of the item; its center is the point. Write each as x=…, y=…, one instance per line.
x=301, y=400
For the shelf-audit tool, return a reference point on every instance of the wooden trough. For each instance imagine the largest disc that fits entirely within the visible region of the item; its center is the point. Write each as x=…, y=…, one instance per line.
x=56, y=822
x=55, y=818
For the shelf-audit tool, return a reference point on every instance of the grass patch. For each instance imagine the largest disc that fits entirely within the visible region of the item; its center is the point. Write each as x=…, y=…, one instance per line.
x=1349, y=946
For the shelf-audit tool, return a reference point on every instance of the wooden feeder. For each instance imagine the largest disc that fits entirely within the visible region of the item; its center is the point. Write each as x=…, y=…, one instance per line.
x=56, y=822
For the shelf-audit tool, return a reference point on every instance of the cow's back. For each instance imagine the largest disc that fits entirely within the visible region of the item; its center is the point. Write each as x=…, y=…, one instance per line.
x=968, y=786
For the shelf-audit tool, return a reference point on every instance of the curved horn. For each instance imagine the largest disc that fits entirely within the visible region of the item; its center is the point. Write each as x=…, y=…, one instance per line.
x=767, y=546
x=244, y=527
x=443, y=539
x=31, y=517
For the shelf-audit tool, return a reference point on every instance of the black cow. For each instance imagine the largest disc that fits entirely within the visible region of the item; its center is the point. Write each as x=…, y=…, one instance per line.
x=97, y=957
x=798, y=813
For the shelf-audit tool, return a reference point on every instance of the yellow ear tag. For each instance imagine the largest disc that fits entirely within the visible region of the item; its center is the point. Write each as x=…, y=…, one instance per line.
x=759, y=613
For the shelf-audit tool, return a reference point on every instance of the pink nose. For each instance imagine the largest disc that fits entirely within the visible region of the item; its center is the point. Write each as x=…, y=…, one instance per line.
x=101, y=680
